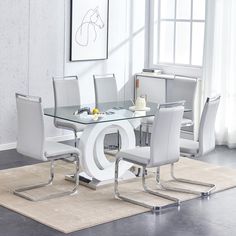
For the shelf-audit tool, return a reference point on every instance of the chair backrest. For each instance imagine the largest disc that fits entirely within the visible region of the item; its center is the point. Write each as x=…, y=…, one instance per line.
x=30, y=135
x=105, y=88
x=165, y=147
x=66, y=91
x=182, y=88
x=207, y=125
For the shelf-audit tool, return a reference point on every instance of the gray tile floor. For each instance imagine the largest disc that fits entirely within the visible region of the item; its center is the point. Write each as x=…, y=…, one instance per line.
x=214, y=216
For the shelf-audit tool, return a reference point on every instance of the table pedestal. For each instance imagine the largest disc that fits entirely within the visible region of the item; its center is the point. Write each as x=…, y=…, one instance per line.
x=98, y=170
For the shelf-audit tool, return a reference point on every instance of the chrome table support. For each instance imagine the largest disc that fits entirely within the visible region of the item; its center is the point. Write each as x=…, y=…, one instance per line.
x=95, y=184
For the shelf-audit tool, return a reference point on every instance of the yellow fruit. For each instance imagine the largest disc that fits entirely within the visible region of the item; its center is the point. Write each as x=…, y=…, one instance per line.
x=95, y=111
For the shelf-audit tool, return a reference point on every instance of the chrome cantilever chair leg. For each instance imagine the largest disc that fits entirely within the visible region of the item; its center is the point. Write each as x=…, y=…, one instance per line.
x=72, y=158
x=147, y=138
x=140, y=135
x=152, y=208
x=21, y=191
x=118, y=141
x=147, y=135
x=202, y=193
x=76, y=138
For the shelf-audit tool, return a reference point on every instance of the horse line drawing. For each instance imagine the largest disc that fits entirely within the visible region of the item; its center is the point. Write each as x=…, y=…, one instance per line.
x=91, y=23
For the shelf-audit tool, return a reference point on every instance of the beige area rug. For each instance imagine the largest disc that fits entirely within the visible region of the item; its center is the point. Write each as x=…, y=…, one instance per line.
x=89, y=207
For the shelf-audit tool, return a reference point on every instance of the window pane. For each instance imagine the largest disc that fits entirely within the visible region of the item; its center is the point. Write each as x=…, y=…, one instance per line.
x=182, y=46
x=183, y=10
x=155, y=33
x=166, y=42
x=197, y=43
x=199, y=9
x=167, y=9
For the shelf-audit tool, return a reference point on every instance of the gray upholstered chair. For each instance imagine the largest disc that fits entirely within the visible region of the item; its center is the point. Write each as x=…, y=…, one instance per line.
x=105, y=88
x=31, y=142
x=106, y=91
x=179, y=88
x=164, y=150
x=67, y=93
x=183, y=88
x=206, y=140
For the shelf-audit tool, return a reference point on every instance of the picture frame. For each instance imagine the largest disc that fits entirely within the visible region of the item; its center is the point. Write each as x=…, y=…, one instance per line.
x=89, y=30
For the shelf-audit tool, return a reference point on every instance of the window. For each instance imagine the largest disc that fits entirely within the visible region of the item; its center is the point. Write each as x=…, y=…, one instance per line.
x=178, y=32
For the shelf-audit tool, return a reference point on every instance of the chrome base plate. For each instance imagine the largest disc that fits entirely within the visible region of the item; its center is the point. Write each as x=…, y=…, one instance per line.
x=95, y=184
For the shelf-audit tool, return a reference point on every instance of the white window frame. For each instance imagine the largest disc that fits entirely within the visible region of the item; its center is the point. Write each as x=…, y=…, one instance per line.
x=172, y=68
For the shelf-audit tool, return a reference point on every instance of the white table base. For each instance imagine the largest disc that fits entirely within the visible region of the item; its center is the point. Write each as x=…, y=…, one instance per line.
x=98, y=170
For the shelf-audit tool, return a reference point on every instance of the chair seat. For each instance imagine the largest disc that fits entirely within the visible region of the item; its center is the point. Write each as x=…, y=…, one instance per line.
x=139, y=155
x=54, y=149
x=69, y=125
x=185, y=121
x=189, y=146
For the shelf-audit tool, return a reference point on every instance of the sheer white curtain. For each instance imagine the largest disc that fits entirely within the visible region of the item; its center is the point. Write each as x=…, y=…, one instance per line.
x=219, y=76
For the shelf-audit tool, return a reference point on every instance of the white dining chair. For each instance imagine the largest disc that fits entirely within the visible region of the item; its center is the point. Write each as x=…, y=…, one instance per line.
x=106, y=91
x=164, y=150
x=67, y=93
x=105, y=88
x=206, y=140
x=179, y=88
x=183, y=88
x=31, y=143
x=204, y=145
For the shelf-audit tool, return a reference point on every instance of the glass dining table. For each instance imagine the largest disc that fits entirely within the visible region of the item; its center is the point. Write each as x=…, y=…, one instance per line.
x=109, y=112
x=122, y=116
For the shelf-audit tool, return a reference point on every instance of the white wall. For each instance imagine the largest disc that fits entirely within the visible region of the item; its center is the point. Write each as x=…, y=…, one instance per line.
x=34, y=43
x=126, y=48
x=14, y=30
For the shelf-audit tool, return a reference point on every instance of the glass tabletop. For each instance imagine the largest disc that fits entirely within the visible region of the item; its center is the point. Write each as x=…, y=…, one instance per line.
x=109, y=112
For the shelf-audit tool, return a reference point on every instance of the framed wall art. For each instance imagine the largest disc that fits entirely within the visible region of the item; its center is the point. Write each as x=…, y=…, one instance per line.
x=89, y=30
